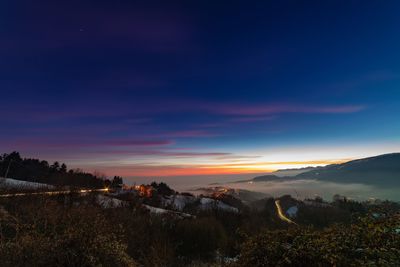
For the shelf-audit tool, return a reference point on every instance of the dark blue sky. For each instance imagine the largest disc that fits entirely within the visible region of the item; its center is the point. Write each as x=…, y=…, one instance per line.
x=157, y=88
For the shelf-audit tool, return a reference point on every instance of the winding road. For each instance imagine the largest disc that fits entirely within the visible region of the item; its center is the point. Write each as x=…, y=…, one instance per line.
x=281, y=215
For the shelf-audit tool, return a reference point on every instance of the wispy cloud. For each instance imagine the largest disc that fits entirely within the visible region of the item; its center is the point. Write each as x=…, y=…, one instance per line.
x=270, y=109
x=160, y=153
x=190, y=133
x=246, y=119
x=43, y=143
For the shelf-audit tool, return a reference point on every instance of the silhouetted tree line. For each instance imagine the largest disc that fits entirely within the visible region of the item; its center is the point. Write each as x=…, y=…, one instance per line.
x=34, y=170
x=162, y=189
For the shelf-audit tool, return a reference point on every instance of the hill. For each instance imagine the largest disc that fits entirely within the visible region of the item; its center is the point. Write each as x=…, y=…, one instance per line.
x=292, y=172
x=38, y=171
x=383, y=170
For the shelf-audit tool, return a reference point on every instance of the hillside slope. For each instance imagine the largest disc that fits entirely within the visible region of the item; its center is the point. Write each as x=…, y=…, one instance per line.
x=383, y=170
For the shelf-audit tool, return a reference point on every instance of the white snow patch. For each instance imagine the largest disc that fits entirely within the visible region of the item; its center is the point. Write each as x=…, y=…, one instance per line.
x=160, y=211
x=206, y=201
x=209, y=203
x=13, y=183
x=156, y=210
x=109, y=202
x=178, y=202
x=292, y=211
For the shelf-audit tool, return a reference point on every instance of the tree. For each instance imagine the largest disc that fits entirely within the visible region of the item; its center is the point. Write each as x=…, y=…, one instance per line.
x=107, y=183
x=14, y=156
x=63, y=168
x=55, y=167
x=162, y=189
x=35, y=170
x=117, y=182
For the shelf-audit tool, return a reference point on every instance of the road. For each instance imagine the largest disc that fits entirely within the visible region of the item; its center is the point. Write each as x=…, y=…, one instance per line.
x=82, y=191
x=281, y=215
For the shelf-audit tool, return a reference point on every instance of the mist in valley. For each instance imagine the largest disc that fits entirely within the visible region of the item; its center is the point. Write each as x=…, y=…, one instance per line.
x=300, y=188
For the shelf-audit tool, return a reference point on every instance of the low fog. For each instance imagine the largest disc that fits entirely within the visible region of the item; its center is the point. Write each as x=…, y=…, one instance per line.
x=297, y=188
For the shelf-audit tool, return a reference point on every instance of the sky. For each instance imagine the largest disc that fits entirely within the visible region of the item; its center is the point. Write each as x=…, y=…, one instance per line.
x=180, y=88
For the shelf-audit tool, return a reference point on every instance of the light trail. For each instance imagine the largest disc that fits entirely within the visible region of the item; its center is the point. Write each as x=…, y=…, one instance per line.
x=281, y=214
x=82, y=191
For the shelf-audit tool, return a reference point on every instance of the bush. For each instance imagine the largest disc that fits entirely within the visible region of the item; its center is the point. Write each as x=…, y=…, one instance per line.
x=55, y=236
x=200, y=238
x=369, y=242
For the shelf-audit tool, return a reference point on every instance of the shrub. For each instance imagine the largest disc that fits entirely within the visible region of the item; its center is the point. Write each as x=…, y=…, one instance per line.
x=369, y=242
x=55, y=236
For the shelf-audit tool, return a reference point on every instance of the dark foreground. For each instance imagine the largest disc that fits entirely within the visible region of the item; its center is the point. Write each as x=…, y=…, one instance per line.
x=74, y=230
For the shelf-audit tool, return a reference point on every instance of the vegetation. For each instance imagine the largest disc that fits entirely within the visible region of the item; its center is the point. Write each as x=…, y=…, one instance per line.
x=43, y=232
x=75, y=229
x=369, y=242
x=40, y=171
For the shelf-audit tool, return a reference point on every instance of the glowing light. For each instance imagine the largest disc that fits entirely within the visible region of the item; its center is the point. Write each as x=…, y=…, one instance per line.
x=280, y=213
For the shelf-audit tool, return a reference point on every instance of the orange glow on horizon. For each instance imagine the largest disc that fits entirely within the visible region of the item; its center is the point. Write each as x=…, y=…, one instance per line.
x=223, y=169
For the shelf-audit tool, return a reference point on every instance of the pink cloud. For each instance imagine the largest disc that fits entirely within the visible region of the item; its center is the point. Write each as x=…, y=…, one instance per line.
x=256, y=109
x=163, y=153
x=138, y=143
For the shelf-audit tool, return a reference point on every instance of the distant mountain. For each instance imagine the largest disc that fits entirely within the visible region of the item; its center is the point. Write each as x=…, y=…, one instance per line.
x=279, y=175
x=269, y=178
x=292, y=172
x=266, y=178
x=383, y=170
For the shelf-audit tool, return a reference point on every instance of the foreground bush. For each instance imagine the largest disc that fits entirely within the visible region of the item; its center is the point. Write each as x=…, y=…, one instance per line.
x=370, y=242
x=55, y=236
x=73, y=230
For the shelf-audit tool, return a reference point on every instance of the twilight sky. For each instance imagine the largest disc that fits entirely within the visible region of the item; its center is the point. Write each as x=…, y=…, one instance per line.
x=146, y=88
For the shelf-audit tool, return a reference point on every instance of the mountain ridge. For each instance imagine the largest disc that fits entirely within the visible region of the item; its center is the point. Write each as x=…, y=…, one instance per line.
x=380, y=170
